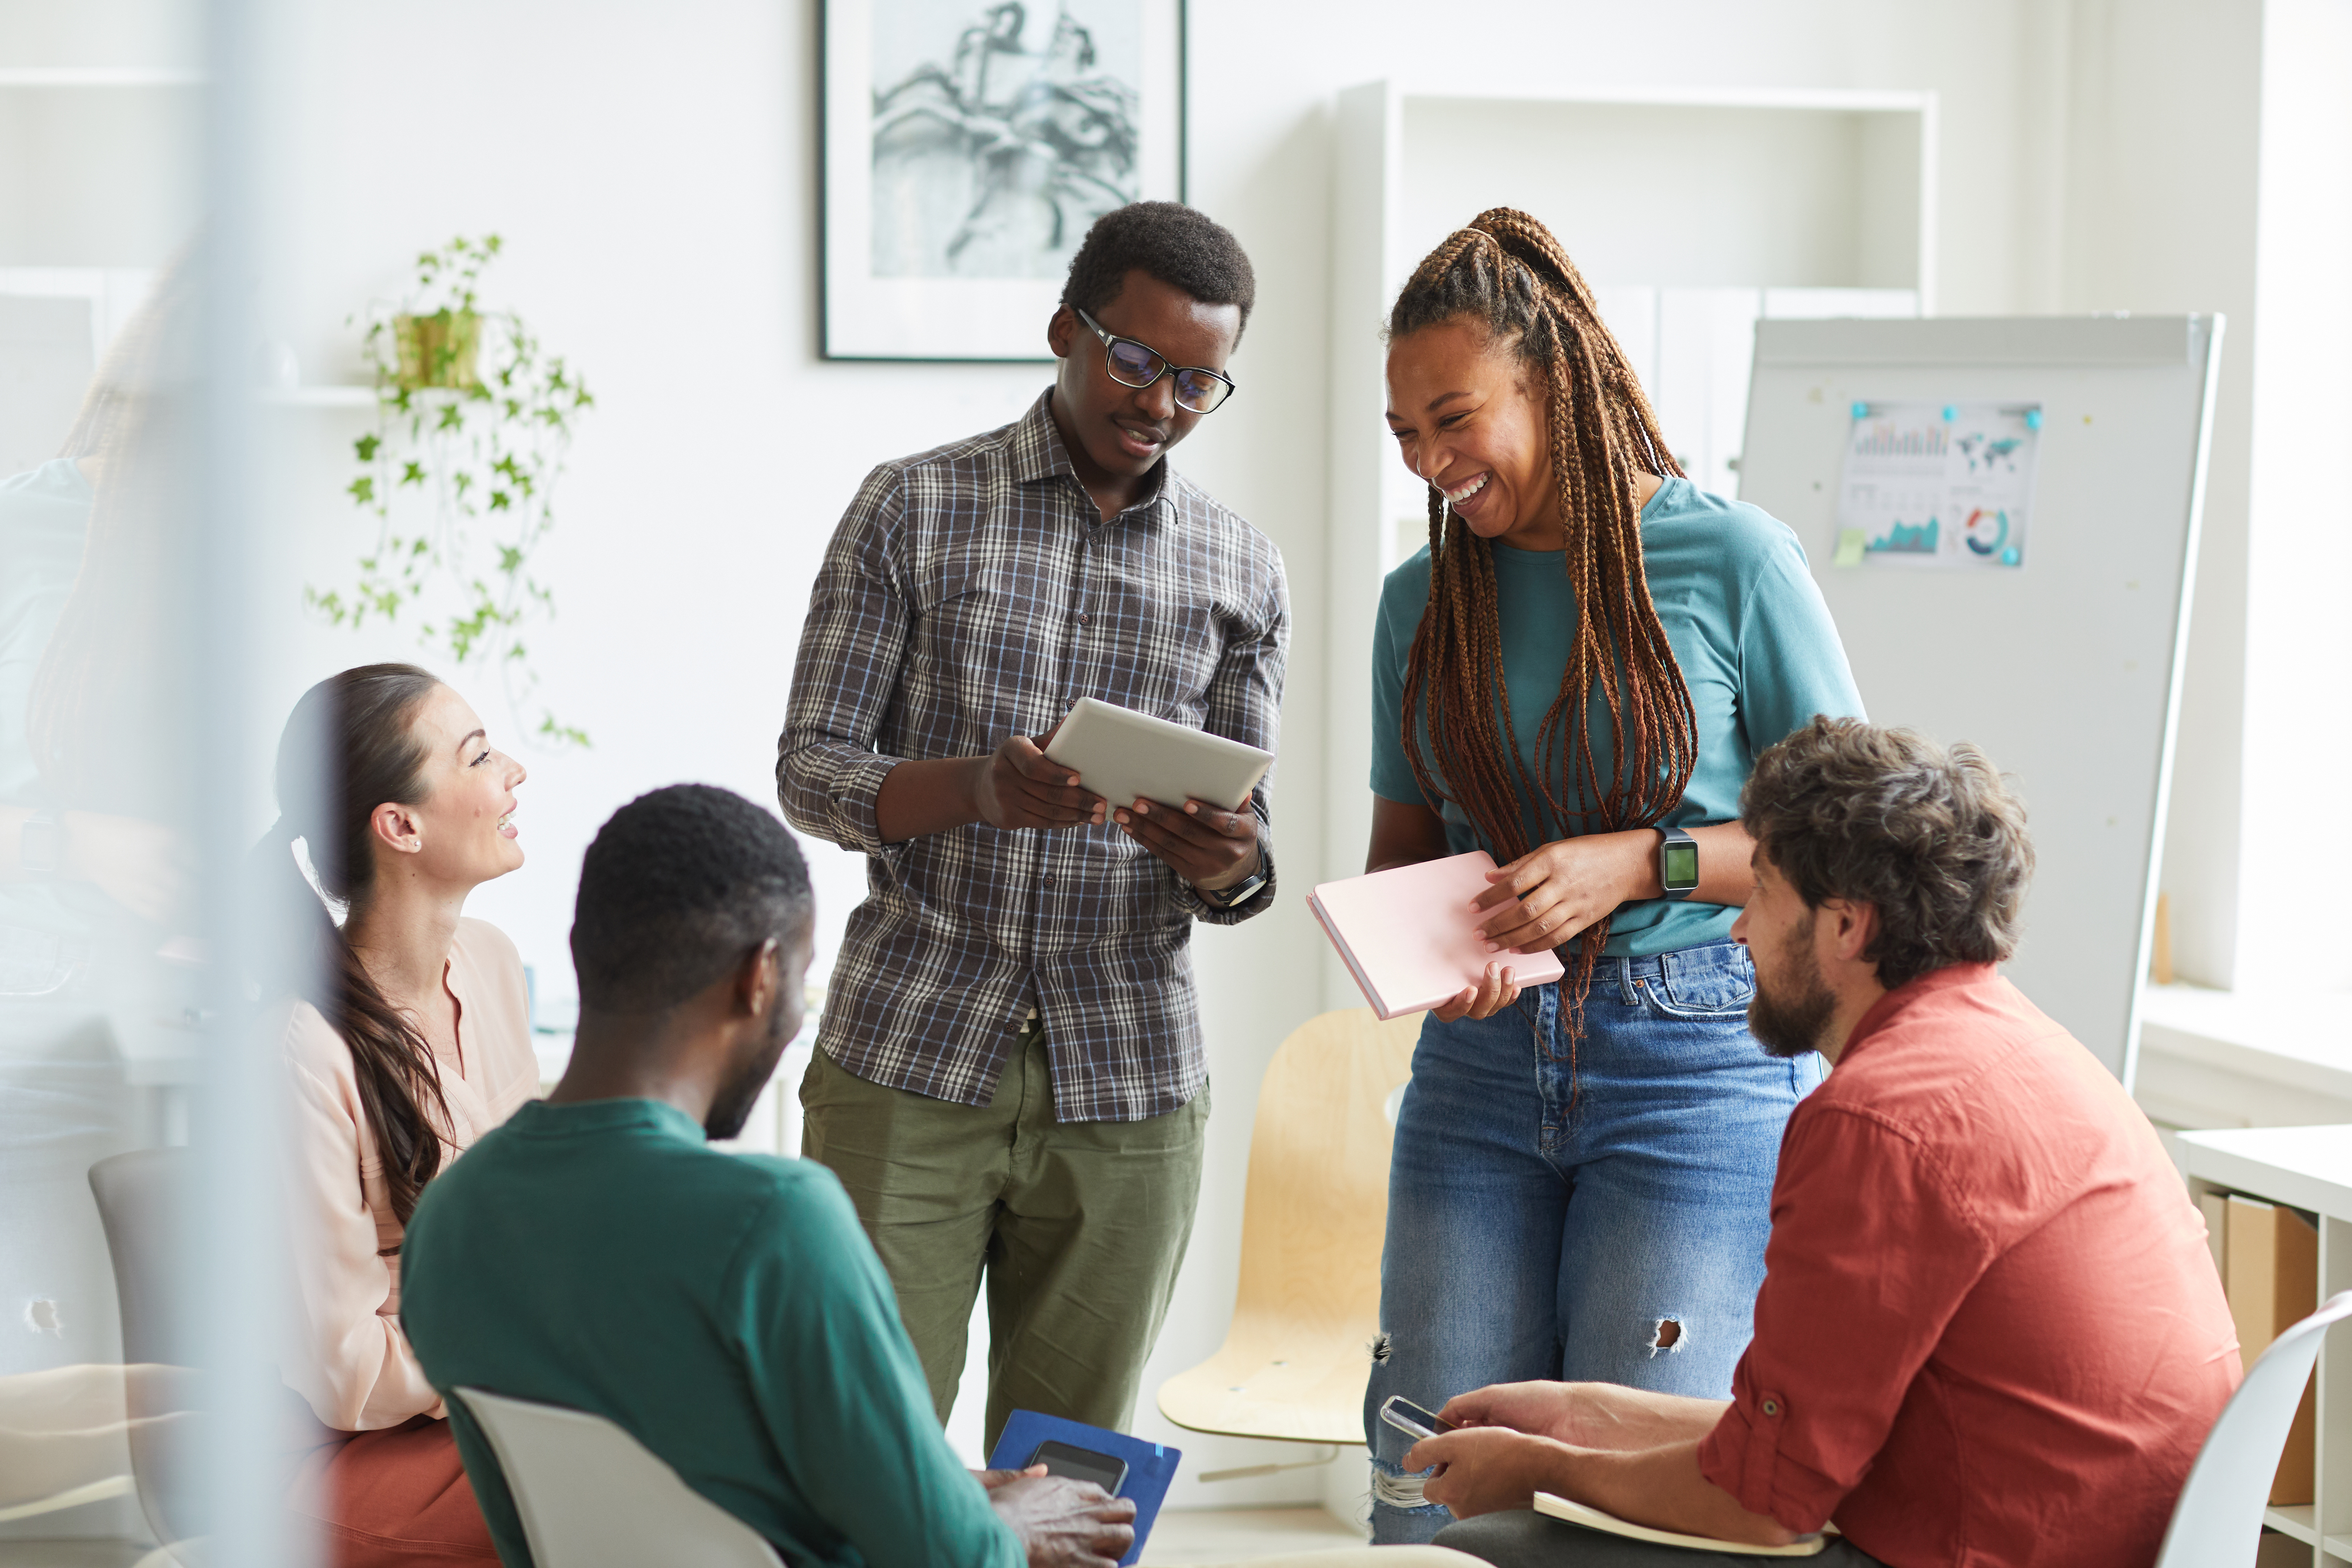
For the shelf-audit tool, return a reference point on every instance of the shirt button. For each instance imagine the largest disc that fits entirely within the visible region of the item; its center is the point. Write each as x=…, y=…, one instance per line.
x=1049, y=880
x=1771, y=1406
x=1081, y=617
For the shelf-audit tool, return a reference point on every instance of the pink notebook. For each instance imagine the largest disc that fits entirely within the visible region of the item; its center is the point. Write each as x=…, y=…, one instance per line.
x=1409, y=935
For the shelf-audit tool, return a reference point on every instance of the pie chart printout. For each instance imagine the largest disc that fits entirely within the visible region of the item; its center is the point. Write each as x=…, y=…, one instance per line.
x=1945, y=486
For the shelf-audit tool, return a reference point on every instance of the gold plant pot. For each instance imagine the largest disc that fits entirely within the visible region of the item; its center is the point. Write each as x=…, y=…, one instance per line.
x=438, y=350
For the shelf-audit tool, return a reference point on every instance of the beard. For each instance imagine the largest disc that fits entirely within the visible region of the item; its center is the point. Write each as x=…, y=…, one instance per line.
x=733, y=1106
x=1791, y=1022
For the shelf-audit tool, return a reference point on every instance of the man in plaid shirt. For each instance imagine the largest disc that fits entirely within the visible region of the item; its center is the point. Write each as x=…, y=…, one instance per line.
x=1008, y=1075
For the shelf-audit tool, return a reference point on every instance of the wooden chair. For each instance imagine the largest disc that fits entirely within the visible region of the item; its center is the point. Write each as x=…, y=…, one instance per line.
x=1295, y=1362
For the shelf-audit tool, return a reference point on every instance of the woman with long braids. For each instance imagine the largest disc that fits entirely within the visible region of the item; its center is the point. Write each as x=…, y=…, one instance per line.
x=1578, y=670
x=406, y=1037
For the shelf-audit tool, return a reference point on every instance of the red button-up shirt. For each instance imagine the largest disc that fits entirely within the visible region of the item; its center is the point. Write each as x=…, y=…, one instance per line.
x=1990, y=1332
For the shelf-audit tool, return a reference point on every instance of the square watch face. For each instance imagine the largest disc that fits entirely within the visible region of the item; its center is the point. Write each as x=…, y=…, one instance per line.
x=1681, y=865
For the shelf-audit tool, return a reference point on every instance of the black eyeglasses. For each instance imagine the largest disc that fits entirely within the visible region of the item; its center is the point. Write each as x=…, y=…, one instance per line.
x=1132, y=364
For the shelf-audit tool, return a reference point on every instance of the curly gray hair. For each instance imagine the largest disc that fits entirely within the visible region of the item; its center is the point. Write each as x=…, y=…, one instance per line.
x=1932, y=836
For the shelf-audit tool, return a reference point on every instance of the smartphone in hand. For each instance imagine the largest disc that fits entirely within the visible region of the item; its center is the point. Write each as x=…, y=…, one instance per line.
x=1411, y=1420
x=1081, y=1465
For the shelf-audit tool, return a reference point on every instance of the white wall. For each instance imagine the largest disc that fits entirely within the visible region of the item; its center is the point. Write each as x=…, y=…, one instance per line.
x=2152, y=127
x=2299, y=546
x=654, y=173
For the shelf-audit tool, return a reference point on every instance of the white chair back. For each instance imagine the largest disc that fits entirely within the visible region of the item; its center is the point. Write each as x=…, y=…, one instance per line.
x=2218, y=1521
x=591, y=1496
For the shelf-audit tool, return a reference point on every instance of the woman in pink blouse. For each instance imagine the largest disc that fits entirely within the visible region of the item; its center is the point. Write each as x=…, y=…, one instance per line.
x=406, y=1039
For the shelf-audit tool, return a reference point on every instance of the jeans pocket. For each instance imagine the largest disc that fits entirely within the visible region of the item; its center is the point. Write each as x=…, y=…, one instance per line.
x=1713, y=982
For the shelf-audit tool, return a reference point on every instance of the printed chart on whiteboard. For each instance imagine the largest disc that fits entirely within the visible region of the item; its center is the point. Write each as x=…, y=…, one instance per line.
x=1938, y=485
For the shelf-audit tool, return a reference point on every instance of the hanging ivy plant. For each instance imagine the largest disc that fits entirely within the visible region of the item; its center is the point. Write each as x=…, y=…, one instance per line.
x=460, y=475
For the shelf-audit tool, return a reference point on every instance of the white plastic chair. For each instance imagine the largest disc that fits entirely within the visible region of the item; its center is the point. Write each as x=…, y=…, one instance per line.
x=591, y=1496
x=2218, y=1522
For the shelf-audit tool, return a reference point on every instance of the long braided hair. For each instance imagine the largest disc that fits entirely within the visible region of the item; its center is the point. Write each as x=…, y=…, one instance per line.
x=1507, y=273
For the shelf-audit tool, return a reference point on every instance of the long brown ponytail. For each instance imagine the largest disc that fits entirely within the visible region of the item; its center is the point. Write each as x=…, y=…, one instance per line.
x=350, y=746
x=1507, y=272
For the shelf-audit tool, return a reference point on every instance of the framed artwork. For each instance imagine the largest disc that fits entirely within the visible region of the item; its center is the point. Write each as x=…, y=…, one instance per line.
x=968, y=145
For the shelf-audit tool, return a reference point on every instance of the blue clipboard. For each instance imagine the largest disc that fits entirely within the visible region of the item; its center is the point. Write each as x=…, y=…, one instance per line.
x=1149, y=1466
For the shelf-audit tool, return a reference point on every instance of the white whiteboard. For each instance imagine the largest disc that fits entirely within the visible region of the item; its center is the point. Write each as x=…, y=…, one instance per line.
x=2066, y=669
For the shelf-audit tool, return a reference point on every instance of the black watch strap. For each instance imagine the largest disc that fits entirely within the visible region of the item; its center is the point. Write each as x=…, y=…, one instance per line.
x=1240, y=893
x=1677, y=862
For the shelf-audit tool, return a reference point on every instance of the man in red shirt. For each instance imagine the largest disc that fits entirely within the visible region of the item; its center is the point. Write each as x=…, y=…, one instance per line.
x=1989, y=1330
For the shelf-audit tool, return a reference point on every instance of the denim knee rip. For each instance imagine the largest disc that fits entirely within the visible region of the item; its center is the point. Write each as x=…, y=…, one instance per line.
x=1393, y=1488
x=1393, y=1485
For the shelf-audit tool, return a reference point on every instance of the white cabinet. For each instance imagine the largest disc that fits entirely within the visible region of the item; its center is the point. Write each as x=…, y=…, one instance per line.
x=2306, y=1168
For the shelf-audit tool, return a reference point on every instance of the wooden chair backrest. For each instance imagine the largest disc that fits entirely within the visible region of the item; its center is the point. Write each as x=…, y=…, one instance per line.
x=1317, y=1209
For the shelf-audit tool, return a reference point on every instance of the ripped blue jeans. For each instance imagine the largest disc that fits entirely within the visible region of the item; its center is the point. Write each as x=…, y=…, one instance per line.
x=1604, y=1221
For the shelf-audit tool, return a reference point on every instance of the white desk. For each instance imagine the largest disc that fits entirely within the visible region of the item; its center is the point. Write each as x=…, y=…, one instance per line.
x=2308, y=1168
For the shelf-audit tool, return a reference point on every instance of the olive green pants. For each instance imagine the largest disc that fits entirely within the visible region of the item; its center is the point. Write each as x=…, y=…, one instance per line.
x=1077, y=1226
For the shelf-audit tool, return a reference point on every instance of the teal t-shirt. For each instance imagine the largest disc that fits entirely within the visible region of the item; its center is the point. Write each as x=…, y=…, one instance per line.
x=1747, y=623
x=724, y=1309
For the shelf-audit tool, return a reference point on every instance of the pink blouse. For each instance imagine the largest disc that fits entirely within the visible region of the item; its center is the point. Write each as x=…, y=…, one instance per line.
x=350, y=1359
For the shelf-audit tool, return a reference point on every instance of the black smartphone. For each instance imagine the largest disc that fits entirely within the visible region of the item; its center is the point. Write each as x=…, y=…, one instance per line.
x=1081, y=1465
x=1410, y=1419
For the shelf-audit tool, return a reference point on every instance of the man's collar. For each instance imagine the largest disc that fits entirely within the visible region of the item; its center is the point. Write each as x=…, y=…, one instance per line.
x=542, y=1117
x=1892, y=1006
x=1039, y=453
x=1038, y=449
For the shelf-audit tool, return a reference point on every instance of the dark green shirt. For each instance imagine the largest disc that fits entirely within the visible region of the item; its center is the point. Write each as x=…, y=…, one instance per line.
x=725, y=1310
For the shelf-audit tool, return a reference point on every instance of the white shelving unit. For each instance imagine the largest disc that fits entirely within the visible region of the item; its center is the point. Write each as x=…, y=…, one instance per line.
x=1691, y=213
x=2310, y=1169
x=99, y=183
x=100, y=165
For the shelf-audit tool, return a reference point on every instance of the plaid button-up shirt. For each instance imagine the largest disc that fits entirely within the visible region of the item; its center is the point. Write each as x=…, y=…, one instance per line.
x=972, y=593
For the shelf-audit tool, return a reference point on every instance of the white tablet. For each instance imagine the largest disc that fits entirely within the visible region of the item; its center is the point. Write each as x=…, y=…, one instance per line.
x=1125, y=757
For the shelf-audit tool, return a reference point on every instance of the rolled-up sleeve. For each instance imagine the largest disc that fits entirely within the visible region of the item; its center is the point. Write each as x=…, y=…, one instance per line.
x=828, y=775
x=1245, y=704
x=1872, y=1252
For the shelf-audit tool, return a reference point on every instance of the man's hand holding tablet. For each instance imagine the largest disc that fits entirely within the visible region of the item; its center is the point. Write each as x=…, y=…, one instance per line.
x=1141, y=764
x=1017, y=785
x=1208, y=846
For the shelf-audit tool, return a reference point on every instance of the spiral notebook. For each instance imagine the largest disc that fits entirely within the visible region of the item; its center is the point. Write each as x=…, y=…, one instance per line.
x=1411, y=938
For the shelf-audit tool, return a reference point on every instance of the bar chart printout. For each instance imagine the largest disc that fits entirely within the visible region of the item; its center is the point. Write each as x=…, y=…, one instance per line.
x=1945, y=486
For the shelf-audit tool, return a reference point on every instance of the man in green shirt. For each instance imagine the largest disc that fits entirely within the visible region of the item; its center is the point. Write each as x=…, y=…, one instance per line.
x=727, y=1310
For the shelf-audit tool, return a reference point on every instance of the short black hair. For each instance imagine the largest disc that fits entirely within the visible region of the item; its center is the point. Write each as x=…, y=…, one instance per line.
x=678, y=887
x=1182, y=246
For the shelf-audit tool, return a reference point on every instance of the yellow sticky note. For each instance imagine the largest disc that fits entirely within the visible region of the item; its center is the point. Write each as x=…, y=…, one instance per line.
x=1851, y=544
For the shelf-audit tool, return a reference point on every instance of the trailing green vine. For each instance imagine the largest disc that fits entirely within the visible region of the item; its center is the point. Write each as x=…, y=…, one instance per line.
x=482, y=454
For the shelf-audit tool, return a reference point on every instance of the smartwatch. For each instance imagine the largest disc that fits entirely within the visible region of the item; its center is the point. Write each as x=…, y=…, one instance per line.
x=1237, y=895
x=1677, y=862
